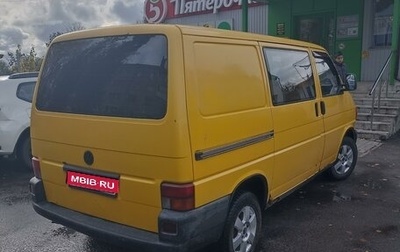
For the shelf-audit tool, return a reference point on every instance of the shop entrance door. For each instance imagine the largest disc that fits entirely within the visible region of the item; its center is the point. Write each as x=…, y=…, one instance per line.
x=317, y=28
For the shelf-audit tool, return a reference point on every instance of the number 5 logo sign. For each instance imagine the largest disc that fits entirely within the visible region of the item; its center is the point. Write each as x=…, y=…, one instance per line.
x=155, y=11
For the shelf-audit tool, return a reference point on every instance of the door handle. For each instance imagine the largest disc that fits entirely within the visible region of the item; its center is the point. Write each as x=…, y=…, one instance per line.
x=322, y=107
x=316, y=109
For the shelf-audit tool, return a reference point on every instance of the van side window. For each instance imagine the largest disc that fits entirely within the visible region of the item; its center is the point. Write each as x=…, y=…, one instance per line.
x=118, y=76
x=327, y=74
x=290, y=75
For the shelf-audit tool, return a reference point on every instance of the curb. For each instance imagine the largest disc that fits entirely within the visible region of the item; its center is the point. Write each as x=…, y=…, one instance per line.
x=366, y=146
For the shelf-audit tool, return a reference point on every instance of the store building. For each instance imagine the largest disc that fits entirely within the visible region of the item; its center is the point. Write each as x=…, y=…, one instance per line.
x=366, y=31
x=223, y=14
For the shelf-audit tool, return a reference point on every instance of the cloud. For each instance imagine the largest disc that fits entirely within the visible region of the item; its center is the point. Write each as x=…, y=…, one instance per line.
x=11, y=37
x=127, y=12
x=31, y=22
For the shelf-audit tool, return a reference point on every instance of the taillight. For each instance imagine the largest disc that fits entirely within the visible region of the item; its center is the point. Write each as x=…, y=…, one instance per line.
x=36, y=167
x=179, y=197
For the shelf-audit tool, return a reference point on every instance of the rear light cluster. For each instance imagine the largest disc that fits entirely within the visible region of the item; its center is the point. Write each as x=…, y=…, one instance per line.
x=36, y=167
x=178, y=197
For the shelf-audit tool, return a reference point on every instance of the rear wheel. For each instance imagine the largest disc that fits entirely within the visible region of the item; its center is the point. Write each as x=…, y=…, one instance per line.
x=346, y=160
x=24, y=152
x=243, y=225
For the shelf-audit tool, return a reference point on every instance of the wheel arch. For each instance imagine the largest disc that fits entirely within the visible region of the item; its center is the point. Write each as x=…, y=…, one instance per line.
x=257, y=184
x=25, y=133
x=352, y=133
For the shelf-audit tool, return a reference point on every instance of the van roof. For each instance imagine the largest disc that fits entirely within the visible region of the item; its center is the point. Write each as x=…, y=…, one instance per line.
x=183, y=29
x=205, y=31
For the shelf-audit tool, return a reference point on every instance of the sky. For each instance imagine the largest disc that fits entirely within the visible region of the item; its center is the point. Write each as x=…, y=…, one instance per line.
x=31, y=22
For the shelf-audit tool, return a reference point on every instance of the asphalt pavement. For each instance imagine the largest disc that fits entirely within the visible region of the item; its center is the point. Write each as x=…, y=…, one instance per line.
x=360, y=214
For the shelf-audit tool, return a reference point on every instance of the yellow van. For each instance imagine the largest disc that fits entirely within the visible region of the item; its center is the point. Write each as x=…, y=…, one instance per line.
x=170, y=138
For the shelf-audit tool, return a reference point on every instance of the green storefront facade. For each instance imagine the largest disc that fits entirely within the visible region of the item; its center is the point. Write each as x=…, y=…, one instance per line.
x=366, y=31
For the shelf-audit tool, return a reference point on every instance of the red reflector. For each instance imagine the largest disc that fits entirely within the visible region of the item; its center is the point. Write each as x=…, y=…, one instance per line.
x=177, y=190
x=182, y=204
x=179, y=197
x=36, y=167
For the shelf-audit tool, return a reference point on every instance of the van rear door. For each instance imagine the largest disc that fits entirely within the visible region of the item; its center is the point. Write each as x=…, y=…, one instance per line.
x=105, y=127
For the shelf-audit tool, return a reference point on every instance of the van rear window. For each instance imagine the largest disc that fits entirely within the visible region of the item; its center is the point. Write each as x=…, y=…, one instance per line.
x=119, y=76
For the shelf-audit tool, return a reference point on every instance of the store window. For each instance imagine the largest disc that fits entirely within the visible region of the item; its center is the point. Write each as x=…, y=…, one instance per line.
x=383, y=20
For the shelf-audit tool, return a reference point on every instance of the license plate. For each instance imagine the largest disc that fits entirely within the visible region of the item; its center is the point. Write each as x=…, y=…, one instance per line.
x=93, y=182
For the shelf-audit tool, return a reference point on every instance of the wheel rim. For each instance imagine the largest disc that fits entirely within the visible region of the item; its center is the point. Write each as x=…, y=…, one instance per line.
x=345, y=160
x=244, y=230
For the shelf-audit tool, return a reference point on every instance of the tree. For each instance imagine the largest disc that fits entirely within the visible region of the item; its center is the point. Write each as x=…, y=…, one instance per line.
x=4, y=69
x=30, y=62
x=73, y=27
x=15, y=59
x=20, y=62
x=52, y=37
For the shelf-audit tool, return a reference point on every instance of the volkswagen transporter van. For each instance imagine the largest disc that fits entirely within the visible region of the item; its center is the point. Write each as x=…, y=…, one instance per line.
x=170, y=138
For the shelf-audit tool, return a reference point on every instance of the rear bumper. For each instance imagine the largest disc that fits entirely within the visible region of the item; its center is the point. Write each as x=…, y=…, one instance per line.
x=196, y=228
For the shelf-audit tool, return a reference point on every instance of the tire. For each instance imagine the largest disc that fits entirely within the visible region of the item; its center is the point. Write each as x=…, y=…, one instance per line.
x=243, y=225
x=24, y=152
x=346, y=160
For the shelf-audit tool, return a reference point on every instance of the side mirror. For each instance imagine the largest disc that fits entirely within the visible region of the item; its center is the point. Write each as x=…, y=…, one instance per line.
x=351, y=82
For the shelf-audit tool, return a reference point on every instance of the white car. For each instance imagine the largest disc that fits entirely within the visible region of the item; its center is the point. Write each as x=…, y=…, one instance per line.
x=16, y=93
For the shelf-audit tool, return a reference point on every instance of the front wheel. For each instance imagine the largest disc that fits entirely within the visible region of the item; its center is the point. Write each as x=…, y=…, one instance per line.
x=346, y=160
x=243, y=225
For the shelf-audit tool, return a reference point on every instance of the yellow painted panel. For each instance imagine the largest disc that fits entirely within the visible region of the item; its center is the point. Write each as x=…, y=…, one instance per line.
x=228, y=78
x=227, y=106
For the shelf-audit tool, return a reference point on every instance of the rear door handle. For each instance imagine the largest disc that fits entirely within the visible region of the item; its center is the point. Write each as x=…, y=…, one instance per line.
x=323, y=111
